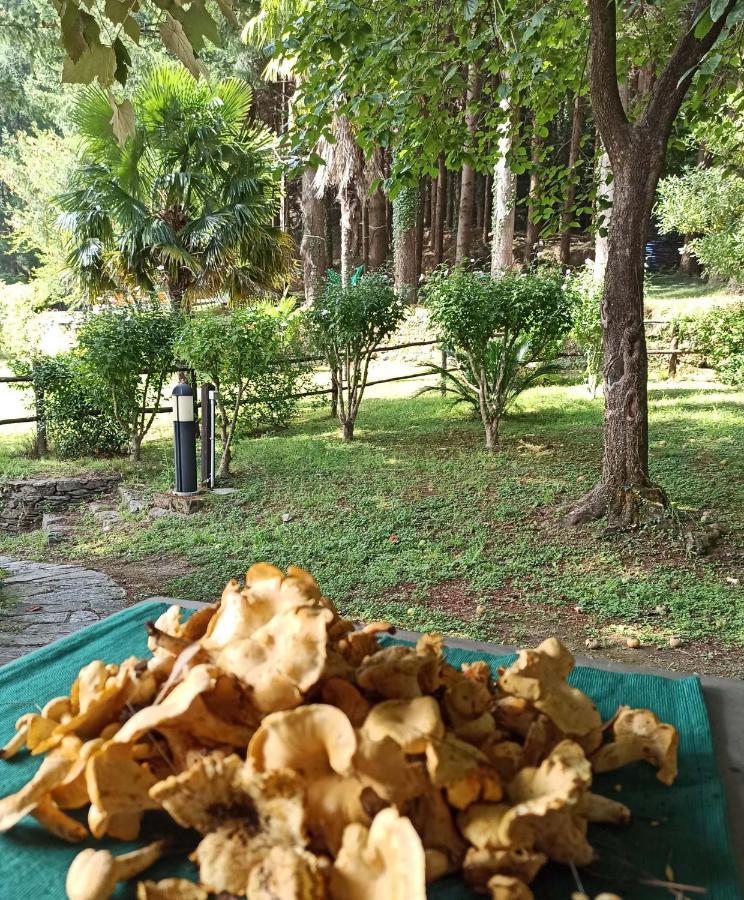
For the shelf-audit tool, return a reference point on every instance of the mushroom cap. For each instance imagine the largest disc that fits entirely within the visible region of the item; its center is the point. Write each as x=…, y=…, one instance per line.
x=281, y=660
x=481, y=865
x=311, y=739
x=506, y=887
x=170, y=889
x=640, y=735
x=411, y=723
x=383, y=862
x=480, y=824
x=546, y=814
x=91, y=876
x=539, y=677
x=288, y=872
x=392, y=673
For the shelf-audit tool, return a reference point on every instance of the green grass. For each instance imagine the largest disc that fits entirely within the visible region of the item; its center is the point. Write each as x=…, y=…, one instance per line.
x=482, y=526
x=668, y=296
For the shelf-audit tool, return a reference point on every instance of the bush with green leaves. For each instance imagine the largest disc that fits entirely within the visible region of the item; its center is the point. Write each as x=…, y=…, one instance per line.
x=586, y=332
x=129, y=349
x=708, y=205
x=719, y=334
x=76, y=408
x=504, y=332
x=347, y=325
x=248, y=354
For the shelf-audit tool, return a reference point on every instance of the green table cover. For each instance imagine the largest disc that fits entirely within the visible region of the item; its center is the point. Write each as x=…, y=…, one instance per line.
x=683, y=827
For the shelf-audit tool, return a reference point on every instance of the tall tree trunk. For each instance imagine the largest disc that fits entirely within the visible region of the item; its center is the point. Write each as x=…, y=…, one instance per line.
x=441, y=208
x=315, y=260
x=467, y=178
x=637, y=151
x=378, y=243
x=487, y=190
x=433, y=214
x=567, y=213
x=604, y=213
x=533, y=226
x=405, y=208
x=422, y=194
x=427, y=202
x=504, y=193
x=350, y=215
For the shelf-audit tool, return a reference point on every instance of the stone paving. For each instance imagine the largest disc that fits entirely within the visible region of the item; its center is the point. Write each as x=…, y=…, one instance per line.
x=41, y=602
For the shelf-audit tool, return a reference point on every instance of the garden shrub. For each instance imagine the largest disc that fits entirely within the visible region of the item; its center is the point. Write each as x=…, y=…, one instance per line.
x=504, y=332
x=586, y=332
x=347, y=325
x=708, y=206
x=247, y=354
x=129, y=349
x=77, y=411
x=719, y=334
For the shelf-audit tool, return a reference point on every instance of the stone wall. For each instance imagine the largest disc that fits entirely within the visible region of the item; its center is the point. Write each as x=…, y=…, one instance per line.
x=23, y=501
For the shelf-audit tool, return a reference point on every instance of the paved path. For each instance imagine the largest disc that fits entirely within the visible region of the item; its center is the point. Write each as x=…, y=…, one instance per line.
x=40, y=603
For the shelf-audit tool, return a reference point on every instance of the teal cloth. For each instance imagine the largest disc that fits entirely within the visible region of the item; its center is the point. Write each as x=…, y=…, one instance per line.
x=691, y=835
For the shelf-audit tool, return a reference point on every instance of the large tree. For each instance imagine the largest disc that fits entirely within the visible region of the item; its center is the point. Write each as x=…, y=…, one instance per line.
x=637, y=148
x=186, y=203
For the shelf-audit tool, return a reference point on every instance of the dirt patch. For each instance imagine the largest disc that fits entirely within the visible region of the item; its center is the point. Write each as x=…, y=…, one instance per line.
x=141, y=578
x=524, y=622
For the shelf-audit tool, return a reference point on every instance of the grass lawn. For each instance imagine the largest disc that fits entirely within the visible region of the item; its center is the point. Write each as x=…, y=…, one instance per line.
x=416, y=523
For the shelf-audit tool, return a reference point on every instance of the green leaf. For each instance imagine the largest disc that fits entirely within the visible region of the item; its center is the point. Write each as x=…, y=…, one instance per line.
x=73, y=39
x=198, y=24
x=470, y=8
x=118, y=10
x=717, y=9
x=123, y=62
x=704, y=24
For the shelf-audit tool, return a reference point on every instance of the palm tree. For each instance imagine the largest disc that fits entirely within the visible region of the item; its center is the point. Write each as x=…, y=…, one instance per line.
x=186, y=204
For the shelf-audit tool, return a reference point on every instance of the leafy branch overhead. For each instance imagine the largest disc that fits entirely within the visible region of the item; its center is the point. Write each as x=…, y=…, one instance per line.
x=95, y=36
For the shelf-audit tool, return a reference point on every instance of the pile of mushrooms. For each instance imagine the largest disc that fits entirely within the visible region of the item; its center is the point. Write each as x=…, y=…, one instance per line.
x=310, y=762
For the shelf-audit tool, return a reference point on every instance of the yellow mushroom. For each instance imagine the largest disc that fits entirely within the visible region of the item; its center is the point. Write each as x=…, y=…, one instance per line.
x=94, y=874
x=639, y=735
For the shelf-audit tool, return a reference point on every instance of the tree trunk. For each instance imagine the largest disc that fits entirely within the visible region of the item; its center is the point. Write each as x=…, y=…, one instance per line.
x=567, y=213
x=688, y=264
x=377, y=227
x=349, y=233
x=467, y=178
x=625, y=484
x=404, y=230
x=313, y=248
x=533, y=227
x=135, y=447
x=439, y=215
x=604, y=213
x=348, y=429
x=637, y=152
x=487, y=213
x=422, y=195
x=427, y=202
x=433, y=213
x=504, y=192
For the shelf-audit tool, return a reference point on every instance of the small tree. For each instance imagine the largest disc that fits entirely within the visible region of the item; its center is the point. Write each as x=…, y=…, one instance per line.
x=78, y=420
x=587, y=324
x=709, y=205
x=128, y=349
x=245, y=353
x=347, y=325
x=503, y=331
x=719, y=334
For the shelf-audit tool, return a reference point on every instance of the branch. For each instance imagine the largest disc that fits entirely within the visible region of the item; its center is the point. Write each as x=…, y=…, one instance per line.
x=673, y=83
x=608, y=109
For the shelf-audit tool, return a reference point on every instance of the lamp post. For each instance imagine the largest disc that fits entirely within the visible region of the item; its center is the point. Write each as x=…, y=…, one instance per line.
x=184, y=436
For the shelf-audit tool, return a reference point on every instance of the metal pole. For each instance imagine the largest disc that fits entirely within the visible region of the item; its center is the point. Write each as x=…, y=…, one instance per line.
x=207, y=434
x=184, y=437
x=212, y=418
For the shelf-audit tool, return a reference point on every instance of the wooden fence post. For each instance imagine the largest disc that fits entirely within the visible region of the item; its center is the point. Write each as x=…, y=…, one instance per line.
x=42, y=446
x=673, y=358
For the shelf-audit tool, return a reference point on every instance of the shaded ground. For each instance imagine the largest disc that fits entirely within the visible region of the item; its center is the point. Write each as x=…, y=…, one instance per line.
x=413, y=522
x=40, y=603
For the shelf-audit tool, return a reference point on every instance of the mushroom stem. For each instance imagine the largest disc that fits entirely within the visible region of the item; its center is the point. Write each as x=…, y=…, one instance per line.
x=93, y=874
